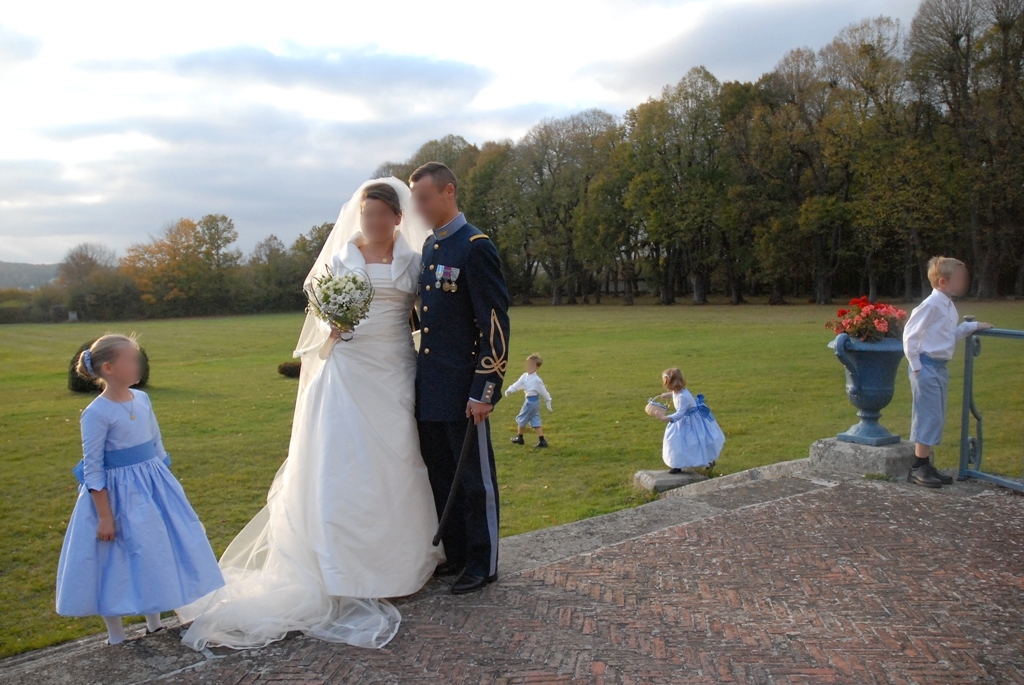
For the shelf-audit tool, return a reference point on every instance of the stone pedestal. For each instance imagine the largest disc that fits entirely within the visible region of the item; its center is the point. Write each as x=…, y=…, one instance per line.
x=662, y=481
x=848, y=457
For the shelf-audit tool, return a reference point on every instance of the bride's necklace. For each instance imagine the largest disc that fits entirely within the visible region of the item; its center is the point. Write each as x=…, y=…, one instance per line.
x=384, y=260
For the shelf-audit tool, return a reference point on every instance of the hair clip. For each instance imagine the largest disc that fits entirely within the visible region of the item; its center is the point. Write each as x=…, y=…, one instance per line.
x=87, y=358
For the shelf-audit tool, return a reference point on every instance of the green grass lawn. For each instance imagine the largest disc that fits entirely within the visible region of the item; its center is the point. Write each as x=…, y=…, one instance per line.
x=226, y=414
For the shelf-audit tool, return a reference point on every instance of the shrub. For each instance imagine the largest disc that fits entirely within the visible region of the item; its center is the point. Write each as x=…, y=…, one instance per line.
x=106, y=295
x=289, y=369
x=78, y=384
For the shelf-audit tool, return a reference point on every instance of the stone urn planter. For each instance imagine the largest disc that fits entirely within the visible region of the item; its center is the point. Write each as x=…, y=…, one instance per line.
x=870, y=383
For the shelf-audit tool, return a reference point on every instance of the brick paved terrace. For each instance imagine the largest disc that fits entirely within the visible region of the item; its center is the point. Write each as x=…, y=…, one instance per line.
x=790, y=580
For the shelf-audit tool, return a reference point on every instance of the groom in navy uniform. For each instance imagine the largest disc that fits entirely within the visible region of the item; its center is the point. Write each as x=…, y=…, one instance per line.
x=463, y=354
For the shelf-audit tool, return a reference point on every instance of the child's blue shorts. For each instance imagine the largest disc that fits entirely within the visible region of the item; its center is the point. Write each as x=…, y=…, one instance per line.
x=929, y=388
x=529, y=415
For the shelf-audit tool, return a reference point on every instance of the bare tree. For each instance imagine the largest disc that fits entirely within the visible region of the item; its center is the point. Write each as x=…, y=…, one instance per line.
x=84, y=260
x=942, y=42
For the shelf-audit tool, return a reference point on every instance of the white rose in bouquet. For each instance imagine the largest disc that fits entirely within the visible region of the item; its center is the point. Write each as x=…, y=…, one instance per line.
x=341, y=301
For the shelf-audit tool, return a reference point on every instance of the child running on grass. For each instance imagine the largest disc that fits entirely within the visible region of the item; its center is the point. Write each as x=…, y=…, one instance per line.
x=534, y=388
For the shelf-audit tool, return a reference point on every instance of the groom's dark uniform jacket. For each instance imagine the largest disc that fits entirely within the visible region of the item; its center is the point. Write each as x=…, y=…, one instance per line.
x=464, y=332
x=463, y=355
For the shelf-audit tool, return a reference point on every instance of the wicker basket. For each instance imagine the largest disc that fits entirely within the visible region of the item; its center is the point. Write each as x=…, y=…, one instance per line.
x=656, y=409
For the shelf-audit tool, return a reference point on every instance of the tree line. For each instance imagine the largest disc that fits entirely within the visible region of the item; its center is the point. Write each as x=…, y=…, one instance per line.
x=841, y=171
x=188, y=269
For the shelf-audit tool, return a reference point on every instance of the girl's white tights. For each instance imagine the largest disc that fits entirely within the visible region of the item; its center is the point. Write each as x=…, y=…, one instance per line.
x=115, y=629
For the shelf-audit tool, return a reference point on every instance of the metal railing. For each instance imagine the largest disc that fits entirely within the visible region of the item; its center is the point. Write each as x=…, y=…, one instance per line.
x=971, y=445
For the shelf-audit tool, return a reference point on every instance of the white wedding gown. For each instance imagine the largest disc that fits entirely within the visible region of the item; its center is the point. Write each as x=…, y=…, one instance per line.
x=350, y=515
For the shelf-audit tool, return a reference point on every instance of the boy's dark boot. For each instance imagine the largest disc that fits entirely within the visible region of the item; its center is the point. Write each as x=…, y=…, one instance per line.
x=943, y=478
x=541, y=442
x=518, y=440
x=922, y=475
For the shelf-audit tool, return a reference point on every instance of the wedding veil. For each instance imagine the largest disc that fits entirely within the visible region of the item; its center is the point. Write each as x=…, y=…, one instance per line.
x=413, y=230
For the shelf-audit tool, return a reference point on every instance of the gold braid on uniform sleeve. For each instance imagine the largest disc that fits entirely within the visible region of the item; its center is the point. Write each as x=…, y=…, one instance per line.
x=495, y=362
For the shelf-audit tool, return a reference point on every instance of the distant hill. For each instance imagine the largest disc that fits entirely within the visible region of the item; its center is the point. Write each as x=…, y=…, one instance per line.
x=14, y=275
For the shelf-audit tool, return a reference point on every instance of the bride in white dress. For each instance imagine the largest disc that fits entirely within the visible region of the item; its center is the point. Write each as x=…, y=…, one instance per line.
x=350, y=515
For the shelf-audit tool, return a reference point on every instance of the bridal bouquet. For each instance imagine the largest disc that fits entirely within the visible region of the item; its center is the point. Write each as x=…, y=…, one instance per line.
x=342, y=301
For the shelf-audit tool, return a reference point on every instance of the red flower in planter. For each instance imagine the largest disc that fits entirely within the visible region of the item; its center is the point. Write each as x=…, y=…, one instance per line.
x=869, y=322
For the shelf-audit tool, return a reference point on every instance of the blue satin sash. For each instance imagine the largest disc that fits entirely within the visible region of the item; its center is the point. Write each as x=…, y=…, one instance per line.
x=129, y=456
x=701, y=408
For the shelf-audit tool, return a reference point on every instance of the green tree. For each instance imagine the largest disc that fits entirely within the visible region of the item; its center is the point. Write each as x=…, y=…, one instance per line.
x=679, y=183
x=453, y=151
x=966, y=60
x=215, y=233
x=307, y=246
x=611, y=234
x=276, y=275
x=865, y=70
x=554, y=163
x=106, y=295
x=490, y=198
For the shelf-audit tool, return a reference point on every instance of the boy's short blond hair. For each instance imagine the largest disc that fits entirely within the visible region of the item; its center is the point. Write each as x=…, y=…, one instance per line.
x=535, y=358
x=942, y=267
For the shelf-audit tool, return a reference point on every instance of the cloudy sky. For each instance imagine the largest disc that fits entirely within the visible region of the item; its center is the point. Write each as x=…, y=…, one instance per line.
x=118, y=118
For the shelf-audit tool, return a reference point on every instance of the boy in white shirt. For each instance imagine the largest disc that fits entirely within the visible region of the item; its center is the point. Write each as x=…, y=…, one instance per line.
x=929, y=340
x=534, y=388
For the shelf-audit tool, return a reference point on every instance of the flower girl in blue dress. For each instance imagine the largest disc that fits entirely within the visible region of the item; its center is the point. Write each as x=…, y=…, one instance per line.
x=693, y=438
x=133, y=544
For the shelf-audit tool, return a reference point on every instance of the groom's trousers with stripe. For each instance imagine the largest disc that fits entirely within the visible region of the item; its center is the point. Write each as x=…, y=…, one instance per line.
x=471, y=535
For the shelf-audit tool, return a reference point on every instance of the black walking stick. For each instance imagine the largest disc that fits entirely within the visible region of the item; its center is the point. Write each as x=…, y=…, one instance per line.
x=466, y=445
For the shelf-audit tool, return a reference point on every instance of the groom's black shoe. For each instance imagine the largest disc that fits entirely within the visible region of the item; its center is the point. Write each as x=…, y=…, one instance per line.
x=469, y=583
x=449, y=568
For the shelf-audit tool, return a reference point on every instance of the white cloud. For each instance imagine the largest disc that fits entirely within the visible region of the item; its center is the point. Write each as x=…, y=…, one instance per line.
x=129, y=115
x=379, y=80
x=17, y=47
x=740, y=41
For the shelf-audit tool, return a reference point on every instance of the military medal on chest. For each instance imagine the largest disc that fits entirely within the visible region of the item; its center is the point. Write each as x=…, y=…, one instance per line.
x=445, y=277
